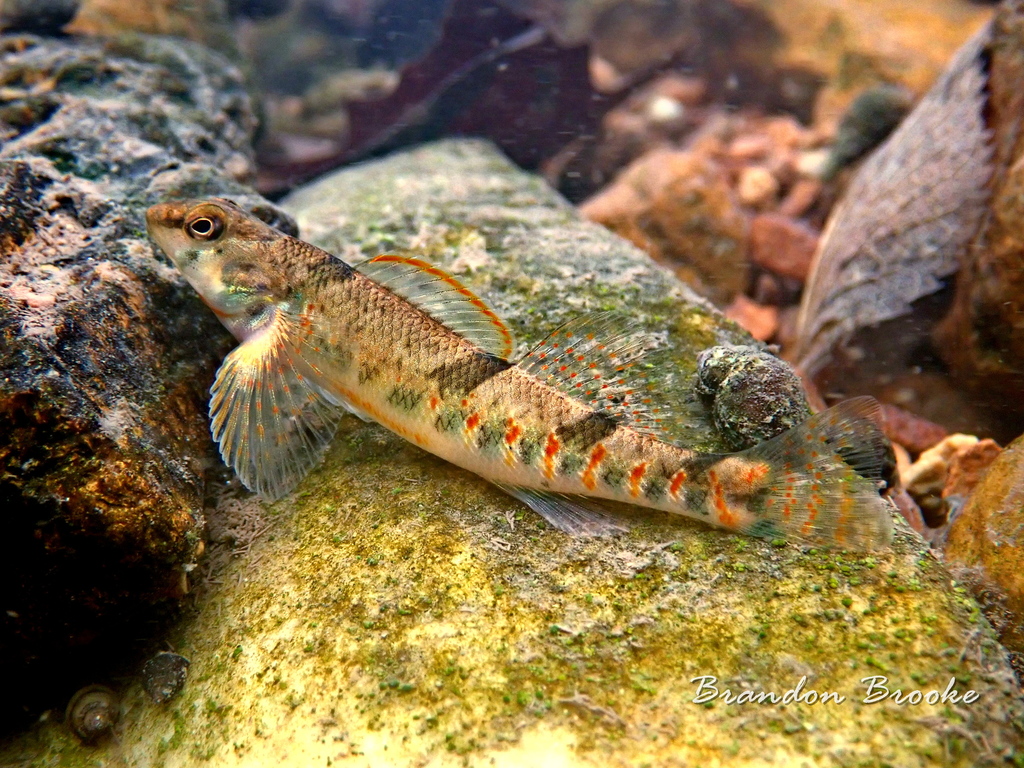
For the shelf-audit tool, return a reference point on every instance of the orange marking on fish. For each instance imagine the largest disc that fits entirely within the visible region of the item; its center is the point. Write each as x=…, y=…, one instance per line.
x=512, y=433
x=676, y=483
x=725, y=515
x=596, y=457
x=755, y=474
x=636, y=474
x=809, y=523
x=550, y=450
x=433, y=403
x=259, y=430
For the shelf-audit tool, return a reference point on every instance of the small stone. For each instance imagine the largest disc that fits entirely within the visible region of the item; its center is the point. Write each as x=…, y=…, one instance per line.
x=812, y=163
x=42, y=16
x=163, y=676
x=753, y=396
x=604, y=76
x=968, y=465
x=664, y=109
x=760, y=320
x=783, y=245
x=757, y=187
x=913, y=432
x=801, y=196
x=750, y=147
x=926, y=477
x=678, y=206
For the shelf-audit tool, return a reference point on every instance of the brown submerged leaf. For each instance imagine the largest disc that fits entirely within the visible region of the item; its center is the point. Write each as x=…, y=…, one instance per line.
x=906, y=216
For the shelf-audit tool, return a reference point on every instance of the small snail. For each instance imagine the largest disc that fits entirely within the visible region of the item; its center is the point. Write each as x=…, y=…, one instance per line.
x=163, y=676
x=92, y=713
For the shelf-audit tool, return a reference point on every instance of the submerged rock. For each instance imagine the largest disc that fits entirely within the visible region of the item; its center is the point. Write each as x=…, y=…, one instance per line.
x=105, y=354
x=988, y=535
x=400, y=611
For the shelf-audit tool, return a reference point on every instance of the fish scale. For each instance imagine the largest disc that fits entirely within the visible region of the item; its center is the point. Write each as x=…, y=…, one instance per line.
x=572, y=423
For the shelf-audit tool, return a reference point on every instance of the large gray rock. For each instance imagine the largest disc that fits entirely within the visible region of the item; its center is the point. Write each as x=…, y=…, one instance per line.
x=105, y=354
x=397, y=610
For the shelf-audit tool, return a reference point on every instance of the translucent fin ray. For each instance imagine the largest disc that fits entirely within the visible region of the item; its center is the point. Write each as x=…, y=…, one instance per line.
x=594, y=358
x=574, y=515
x=825, y=480
x=444, y=298
x=271, y=420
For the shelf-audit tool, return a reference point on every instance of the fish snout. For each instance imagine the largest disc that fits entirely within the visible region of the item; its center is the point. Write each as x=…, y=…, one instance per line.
x=163, y=216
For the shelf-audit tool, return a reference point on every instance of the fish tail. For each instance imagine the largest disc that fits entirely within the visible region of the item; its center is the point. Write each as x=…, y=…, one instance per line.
x=818, y=482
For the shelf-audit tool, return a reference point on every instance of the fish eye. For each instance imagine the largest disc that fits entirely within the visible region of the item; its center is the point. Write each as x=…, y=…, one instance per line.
x=204, y=228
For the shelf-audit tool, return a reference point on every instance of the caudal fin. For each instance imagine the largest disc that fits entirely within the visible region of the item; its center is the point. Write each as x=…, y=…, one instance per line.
x=824, y=479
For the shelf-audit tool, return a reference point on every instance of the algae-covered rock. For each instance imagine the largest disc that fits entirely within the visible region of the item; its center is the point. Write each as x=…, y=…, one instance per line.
x=400, y=611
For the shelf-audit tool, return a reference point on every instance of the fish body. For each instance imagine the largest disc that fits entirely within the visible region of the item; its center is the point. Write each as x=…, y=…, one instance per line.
x=401, y=342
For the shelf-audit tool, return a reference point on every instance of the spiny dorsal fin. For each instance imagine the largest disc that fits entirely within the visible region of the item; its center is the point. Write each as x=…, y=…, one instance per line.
x=444, y=298
x=593, y=358
x=270, y=419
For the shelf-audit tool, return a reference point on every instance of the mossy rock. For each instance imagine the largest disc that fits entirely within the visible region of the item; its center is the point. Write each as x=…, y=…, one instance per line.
x=401, y=611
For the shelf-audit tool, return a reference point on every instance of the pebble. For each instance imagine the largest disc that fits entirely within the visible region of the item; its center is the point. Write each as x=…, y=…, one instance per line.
x=968, y=465
x=801, y=196
x=913, y=432
x=760, y=320
x=757, y=187
x=782, y=244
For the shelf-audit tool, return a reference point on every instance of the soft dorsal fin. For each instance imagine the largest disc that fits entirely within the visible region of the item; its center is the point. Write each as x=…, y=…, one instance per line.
x=593, y=358
x=271, y=419
x=444, y=298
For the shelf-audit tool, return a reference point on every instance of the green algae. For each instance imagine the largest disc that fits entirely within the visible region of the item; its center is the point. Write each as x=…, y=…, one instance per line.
x=401, y=611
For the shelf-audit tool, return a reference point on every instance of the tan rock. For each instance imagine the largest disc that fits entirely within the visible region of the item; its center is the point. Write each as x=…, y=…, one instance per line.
x=204, y=21
x=968, y=465
x=757, y=187
x=989, y=534
x=927, y=475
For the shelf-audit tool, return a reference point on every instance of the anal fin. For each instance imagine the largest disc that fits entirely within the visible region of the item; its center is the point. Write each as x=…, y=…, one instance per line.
x=574, y=515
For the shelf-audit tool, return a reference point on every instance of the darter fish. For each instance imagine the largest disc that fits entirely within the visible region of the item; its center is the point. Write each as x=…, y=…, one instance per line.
x=403, y=343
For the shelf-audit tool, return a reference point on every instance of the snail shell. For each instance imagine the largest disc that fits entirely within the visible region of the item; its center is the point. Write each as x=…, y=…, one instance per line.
x=163, y=676
x=92, y=712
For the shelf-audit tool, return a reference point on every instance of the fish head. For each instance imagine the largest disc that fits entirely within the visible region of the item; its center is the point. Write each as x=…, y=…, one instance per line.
x=225, y=253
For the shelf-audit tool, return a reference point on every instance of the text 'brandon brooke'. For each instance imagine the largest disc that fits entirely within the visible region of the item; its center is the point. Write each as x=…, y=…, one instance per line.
x=877, y=691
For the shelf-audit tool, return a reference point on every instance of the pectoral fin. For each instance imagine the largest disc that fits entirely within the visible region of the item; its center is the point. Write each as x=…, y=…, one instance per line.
x=272, y=421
